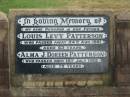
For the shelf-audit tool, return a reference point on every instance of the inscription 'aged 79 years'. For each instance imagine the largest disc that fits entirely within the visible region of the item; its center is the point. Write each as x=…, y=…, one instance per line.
x=62, y=44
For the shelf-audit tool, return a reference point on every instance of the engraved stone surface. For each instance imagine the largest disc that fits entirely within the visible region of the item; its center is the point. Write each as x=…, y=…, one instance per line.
x=40, y=52
x=62, y=44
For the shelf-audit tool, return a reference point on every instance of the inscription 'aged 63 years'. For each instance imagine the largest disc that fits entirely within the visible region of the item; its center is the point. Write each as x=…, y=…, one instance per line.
x=62, y=44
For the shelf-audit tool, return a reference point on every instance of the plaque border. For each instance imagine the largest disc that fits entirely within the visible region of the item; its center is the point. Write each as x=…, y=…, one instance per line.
x=65, y=15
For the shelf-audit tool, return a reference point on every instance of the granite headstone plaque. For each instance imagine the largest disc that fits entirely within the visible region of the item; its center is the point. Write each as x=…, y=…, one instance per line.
x=62, y=44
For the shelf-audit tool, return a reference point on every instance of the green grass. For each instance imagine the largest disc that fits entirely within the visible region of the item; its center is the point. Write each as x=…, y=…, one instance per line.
x=5, y=5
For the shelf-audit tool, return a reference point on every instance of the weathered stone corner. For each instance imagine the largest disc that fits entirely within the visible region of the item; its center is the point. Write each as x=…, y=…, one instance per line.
x=4, y=68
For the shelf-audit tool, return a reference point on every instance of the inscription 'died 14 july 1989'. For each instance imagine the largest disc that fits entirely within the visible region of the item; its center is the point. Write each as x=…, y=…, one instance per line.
x=62, y=44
